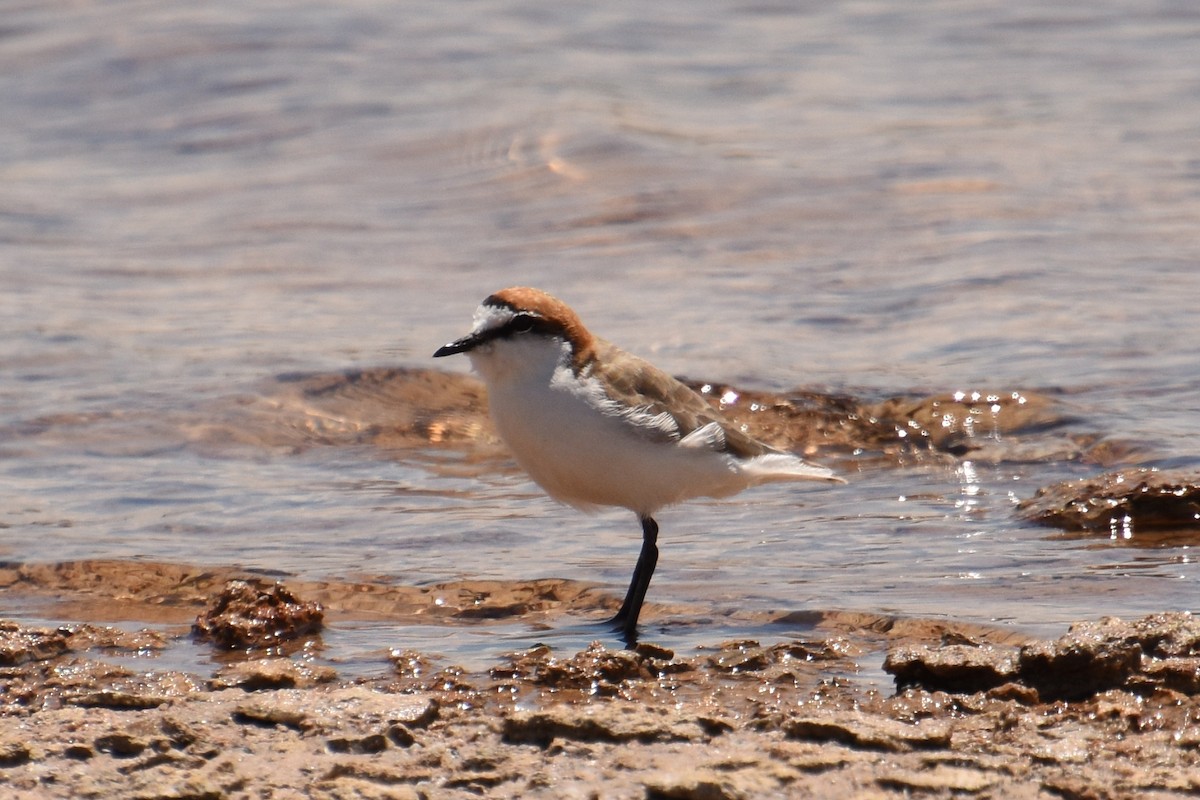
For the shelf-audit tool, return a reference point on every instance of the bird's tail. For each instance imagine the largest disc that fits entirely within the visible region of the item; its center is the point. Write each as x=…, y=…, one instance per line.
x=785, y=467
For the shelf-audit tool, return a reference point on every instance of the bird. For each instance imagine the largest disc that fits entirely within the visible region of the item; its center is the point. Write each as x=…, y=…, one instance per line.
x=595, y=426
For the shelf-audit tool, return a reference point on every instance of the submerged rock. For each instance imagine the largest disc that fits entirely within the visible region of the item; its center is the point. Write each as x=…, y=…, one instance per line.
x=405, y=407
x=975, y=423
x=962, y=422
x=1119, y=503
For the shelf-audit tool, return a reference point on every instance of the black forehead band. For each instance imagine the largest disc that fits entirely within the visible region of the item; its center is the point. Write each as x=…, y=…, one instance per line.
x=522, y=322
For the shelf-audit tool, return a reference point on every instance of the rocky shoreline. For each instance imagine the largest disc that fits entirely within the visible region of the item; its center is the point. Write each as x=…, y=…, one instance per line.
x=1110, y=709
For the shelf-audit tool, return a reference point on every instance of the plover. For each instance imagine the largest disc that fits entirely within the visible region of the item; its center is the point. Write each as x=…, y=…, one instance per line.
x=596, y=426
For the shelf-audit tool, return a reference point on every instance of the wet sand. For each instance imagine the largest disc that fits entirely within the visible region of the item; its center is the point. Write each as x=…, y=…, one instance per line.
x=1108, y=710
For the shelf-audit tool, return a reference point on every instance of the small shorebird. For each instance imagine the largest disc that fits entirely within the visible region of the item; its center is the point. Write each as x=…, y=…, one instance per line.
x=596, y=426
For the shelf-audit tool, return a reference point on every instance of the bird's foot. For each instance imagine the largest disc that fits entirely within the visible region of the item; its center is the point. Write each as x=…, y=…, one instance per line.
x=621, y=624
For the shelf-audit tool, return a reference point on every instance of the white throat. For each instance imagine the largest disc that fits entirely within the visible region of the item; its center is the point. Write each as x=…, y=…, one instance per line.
x=527, y=358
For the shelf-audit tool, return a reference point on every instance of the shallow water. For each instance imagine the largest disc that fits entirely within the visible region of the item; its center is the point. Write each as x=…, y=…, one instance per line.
x=866, y=197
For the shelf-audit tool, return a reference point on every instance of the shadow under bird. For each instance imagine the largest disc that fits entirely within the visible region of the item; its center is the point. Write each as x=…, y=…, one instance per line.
x=596, y=426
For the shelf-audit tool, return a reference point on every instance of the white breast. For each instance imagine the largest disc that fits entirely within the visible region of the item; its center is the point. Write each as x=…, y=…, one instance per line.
x=561, y=432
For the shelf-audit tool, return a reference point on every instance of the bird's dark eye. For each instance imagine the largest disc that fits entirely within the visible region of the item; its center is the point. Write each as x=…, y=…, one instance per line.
x=522, y=323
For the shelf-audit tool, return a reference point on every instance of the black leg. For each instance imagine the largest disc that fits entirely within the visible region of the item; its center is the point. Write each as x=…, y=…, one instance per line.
x=627, y=618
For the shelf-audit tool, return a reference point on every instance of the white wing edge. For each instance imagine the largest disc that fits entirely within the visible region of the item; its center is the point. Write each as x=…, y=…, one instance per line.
x=784, y=467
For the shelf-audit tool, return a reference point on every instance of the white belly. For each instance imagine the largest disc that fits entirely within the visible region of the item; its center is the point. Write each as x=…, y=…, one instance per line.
x=584, y=457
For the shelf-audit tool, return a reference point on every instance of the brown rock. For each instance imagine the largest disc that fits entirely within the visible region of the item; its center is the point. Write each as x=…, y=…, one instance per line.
x=963, y=422
x=600, y=723
x=355, y=712
x=1157, y=651
x=109, y=698
x=121, y=744
x=1172, y=633
x=951, y=668
x=117, y=641
x=180, y=734
x=250, y=615
x=271, y=711
x=348, y=788
x=1120, y=504
x=371, y=743
x=938, y=779
x=875, y=733
x=19, y=644
x=1078, y=665
x=596, y=670
x=1178, y=674
x=709, y=784
x=271, y=673
x=14, y=752
x=740, y=657
x=412, y=710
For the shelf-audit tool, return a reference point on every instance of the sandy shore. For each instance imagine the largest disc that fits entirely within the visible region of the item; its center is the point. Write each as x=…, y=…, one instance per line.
x=1110, y=710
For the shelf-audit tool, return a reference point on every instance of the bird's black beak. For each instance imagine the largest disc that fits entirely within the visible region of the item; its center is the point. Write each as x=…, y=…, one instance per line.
x=468, y=342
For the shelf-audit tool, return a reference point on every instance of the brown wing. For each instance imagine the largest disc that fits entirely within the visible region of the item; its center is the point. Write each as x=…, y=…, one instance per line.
x=634, y=383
